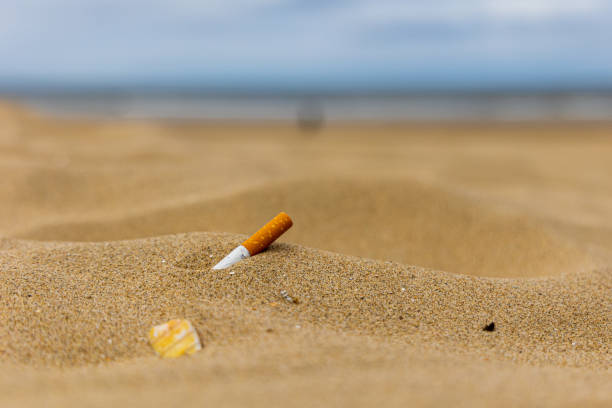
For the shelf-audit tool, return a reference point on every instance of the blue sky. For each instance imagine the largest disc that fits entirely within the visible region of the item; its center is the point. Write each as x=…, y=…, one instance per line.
x=313, y=43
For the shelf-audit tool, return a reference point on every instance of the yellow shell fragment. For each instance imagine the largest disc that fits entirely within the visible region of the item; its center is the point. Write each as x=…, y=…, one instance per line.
x=175, y=338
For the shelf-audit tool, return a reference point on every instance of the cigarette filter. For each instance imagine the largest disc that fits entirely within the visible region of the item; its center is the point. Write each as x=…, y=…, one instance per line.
x=175, y=338
x=258, y=241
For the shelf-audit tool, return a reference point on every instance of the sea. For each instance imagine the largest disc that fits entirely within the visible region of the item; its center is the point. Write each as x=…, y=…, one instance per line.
x=438, y=106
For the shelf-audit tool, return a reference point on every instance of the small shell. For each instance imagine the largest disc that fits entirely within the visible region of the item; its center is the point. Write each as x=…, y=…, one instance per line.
x=174, y=338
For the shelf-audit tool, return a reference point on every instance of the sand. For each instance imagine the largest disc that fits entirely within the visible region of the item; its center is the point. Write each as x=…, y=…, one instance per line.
x=408, y=239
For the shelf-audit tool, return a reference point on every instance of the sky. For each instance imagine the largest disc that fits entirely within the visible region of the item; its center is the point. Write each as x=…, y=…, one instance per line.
x=291, y=44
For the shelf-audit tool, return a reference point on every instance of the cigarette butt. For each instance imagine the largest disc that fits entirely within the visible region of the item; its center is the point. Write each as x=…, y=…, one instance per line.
x=258, y=241
x=174, y=338
x=268, y=234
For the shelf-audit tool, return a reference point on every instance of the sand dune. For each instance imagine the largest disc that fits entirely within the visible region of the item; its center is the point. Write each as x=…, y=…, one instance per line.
x=90, y=303
x=408, y=240
x=93, y=300
x=384, y=219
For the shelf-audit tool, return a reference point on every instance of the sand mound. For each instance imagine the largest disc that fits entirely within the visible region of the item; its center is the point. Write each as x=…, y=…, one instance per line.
x=89, y=303
x=396, y=220
x=362, y=331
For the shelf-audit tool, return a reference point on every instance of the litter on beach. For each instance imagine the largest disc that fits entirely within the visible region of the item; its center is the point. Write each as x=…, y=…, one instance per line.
x=174, y=338
x=257, y=242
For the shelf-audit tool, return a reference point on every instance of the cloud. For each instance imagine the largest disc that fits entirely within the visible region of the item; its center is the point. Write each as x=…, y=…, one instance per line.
x=444, y=11
x=544, y=9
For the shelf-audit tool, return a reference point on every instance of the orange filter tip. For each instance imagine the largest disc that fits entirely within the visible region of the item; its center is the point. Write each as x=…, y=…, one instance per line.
x=268, y=233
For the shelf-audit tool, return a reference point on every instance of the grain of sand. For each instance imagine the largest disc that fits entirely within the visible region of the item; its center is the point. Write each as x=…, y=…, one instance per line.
x=408, y=240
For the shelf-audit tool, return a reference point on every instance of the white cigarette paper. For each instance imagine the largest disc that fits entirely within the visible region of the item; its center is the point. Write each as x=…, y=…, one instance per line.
x=238, y=254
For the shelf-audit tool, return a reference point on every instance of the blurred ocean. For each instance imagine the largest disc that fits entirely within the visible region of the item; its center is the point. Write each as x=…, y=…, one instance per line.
x=436, y=106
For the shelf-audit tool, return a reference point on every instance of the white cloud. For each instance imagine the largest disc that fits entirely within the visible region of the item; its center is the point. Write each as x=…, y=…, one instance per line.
x=442, y=11
x=544, y=9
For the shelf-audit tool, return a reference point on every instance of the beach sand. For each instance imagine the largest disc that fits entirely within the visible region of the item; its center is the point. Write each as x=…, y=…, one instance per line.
x=408, y=239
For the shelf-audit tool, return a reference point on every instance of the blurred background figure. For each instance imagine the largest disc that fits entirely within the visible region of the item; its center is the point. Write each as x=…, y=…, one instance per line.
x=310, y=116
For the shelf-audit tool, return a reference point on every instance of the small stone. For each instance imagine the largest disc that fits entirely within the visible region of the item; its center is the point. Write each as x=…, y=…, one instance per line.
x=287, y=297
x=489, y=327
